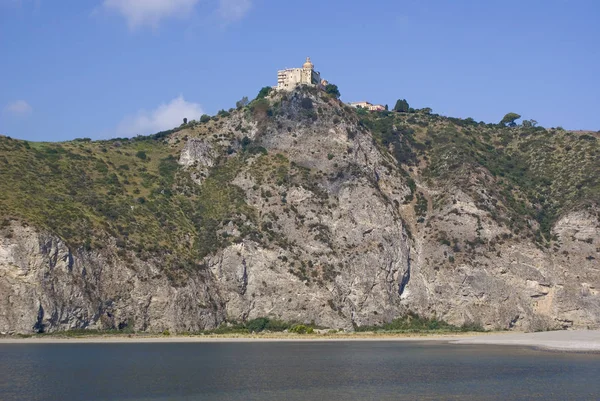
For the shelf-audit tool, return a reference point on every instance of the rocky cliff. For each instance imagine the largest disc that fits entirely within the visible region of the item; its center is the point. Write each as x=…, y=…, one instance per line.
x=300, y=208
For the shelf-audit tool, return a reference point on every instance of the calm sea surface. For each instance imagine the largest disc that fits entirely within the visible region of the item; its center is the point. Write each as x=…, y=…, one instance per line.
x=293, y=371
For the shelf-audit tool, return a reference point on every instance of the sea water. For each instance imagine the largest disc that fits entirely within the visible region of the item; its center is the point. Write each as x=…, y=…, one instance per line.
x=345, y=370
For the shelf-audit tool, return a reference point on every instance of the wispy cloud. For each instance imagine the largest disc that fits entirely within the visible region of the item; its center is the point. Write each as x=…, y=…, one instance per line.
x=19, y=107
x=234, y=10
x=164, y=117
x=149, y=12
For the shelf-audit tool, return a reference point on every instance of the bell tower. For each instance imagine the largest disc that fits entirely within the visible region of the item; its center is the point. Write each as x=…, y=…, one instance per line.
x=307, y=72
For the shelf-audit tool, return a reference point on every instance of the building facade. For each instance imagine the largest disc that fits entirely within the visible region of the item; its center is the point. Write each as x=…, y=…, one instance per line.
x=291, y=78
x=368, y=106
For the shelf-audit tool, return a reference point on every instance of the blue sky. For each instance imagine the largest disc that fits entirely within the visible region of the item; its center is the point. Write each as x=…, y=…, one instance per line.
x=106, y=68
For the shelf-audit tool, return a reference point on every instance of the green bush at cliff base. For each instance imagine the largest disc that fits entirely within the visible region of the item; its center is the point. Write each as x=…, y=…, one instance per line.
x=262, y=324
x=301, y=329
x=415, y=323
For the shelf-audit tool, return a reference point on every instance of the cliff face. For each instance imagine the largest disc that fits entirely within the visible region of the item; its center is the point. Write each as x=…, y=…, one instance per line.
x=301, y=209
x=47, y=287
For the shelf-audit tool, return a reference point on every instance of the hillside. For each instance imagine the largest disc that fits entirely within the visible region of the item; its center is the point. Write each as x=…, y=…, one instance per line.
x=300, y=208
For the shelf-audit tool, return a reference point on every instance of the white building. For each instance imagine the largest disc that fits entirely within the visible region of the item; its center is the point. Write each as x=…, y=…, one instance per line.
x=291, y=78
x=368, y=106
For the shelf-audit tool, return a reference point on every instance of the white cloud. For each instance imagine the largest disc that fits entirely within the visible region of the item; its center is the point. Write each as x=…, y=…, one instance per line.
x=164, y=117
x=234, y=10
x=19, y=107
x=149, y=12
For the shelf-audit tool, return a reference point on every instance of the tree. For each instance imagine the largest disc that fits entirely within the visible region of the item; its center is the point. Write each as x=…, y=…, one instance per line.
x=510, y=119
x=243, y=102
x=264, y=92
x=361, y=111
x=332, y=90
x=205, y=118
x=386, y=107
x=184, y=120
x=401, y=106
x=529, y=123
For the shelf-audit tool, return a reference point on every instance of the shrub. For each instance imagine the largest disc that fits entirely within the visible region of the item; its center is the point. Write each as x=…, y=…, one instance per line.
x=245, y=142
x=243, y=102
x=332, y=90
x=257, y=325
x=260, y=106
x=412, y=185
x=141, y=155
x=306, y=103
x=301, y=329
x=265, y=324
x=264, y=92
x=412, y=322
x=167, y=167
x=205, y=118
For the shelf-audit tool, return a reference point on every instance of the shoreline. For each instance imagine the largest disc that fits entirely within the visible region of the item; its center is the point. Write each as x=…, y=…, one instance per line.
x=566, y=341
x=215, y=338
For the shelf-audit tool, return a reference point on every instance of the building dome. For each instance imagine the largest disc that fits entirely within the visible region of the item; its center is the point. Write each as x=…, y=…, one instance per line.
x=308, y=65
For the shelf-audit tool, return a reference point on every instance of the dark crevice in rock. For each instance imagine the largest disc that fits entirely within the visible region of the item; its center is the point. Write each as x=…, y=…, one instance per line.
x=405, y=276
x=244, y=280
x=38, y=327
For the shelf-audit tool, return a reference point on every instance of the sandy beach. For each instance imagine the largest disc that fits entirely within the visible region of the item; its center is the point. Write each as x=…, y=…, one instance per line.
x=566, y=340
x=575, y=340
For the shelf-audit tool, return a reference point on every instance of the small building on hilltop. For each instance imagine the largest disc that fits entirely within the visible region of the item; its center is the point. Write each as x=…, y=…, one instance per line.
x=290, y=78
x=367, y=106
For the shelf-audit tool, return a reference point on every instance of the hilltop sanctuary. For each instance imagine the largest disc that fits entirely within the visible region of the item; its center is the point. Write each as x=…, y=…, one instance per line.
x=291, y=78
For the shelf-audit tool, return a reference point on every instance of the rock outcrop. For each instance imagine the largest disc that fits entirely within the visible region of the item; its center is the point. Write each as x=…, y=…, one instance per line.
x=333, y=231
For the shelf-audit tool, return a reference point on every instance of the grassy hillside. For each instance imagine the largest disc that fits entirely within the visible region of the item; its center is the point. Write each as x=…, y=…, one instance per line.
x=528, y=173
x=131, y=191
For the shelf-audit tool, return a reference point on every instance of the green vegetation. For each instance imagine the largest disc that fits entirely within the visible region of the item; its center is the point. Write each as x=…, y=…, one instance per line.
x=402, y=106
x=129, y=190
x=397, y=139
x=254, y=326
x=264, y=92
x=413, y=323
x=332, y=90
x=534, y=174
x=260, y=325
x=132, y=192
x=243, y=102
x=421, y=207
x=529, y=123
x=510, y=119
